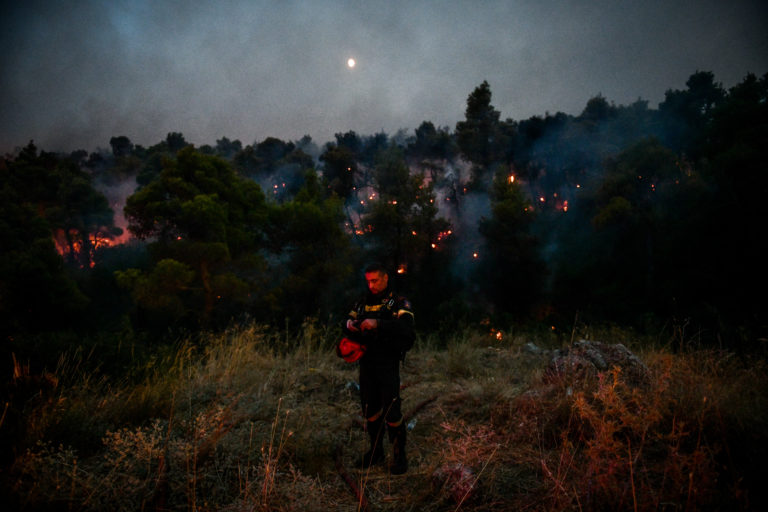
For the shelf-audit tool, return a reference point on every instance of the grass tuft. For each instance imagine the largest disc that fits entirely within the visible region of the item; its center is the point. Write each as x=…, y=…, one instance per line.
x=252, y=419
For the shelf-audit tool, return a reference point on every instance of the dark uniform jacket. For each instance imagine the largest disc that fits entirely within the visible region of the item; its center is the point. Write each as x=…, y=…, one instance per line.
x=395, y=334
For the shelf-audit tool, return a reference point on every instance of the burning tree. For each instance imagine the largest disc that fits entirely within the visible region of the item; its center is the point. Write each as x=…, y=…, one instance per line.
x=404, y=222
x=198, y=214
x=36, y=294
x=78, y=216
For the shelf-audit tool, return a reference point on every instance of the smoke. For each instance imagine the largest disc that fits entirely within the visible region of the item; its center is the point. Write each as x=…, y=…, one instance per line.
x=283, y=183
x=117, y=194
x=463, y=209
x=76, y=73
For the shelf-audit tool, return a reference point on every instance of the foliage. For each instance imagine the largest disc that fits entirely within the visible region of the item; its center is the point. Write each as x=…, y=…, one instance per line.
x=47, y=205
x=609, y=443
x=476, y=136
x=306, y=234
x=510, y=271
x=64, y=196
x=36, y=294
x=637, y=215
x=199, y=215
x=340, y=169
x=642, y=202
x=406, y=231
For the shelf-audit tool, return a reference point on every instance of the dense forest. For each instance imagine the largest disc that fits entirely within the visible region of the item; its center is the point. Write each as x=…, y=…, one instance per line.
x=647, y=218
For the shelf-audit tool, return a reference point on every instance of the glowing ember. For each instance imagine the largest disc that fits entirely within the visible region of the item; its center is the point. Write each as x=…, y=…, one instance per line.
x=401, y=269
x=511, y=178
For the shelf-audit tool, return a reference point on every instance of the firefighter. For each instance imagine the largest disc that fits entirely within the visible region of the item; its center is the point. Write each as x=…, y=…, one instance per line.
x=382, y=324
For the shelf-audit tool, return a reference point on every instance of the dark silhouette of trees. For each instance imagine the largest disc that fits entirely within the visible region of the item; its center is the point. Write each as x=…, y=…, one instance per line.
x=622, y=212
x=686, y=113
x=511, y=271
x=44, y=198
x=121, y=146
x=63, y=194
x=733, y=166
x=199, y=216
x=227, y=149
x=340, y=169
x=307, y=236
x=637, y=213
x=430, y=150
x=406, y=231
x=478, y=136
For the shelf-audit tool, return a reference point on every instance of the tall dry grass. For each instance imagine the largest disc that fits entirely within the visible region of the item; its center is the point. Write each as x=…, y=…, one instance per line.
x=255, y=420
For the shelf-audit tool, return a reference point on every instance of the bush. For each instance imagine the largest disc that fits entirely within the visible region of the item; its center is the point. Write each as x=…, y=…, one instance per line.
x=251, y=419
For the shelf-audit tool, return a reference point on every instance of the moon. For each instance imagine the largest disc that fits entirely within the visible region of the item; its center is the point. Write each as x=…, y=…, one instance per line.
x=351, y=63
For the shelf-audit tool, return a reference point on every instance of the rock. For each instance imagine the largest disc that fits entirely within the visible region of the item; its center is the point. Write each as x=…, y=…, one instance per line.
x=588, y=358
x=531, y=348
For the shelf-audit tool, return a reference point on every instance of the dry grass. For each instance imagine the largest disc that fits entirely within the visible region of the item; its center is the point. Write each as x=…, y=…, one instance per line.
x=252, y=421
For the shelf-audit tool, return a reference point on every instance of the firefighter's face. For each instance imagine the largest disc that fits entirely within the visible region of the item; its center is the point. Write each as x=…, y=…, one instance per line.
x=377, y=281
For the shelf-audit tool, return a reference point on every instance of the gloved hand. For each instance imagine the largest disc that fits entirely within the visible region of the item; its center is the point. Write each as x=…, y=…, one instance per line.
x=352, y=326
x=369, y=324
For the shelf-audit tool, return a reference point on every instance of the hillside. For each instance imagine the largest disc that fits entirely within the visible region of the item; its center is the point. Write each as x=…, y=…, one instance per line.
x=252, y=421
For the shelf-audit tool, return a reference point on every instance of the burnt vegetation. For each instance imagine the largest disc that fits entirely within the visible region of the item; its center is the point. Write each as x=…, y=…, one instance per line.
x=649, y=219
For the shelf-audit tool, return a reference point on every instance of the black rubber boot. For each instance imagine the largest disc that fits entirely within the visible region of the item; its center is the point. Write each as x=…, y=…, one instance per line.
x=399, y=460
x=375, y=455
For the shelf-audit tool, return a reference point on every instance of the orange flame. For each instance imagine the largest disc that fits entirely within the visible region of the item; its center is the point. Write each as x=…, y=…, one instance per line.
x=72, y=244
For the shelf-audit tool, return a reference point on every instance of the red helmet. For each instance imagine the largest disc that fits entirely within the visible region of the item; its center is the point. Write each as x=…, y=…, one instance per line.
x=350, y=350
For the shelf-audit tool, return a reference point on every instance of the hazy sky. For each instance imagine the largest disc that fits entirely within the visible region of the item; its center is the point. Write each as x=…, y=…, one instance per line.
x=75, y=73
